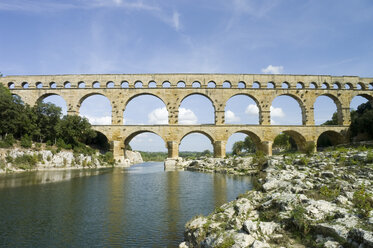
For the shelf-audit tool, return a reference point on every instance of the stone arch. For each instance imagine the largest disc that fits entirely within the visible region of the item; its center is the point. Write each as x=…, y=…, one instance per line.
x=338, y=104
x=196, y=84
x=313, y=85
x=371, y=86
x=348, y=86
x=25, y=85
x=42, y=97
x=368, y=97
x=181, y=84
x=325, y=85
x=360, y=86
x=250, y=97
x=271, y=85
x=60, y=101
x=198, y=94
x=300, y=103
x=124, y=84
x=337, y=86
x=253, y=136
x=285, y=85
x=209, y=136
x=142, y=94
x=211, y=84
x=53, y=85
x=299, y=139
x=256, y=85
x=96, y=84
x=39, y=85
x=81, y=84
x=152, y=84
x=101, y=141
x=110, y=84
x=334, y=137
x=128, y=139
x=241, y=85
x=11, y=85
x=138, y=84
x=300, y=85
x=97, y=113
x=83, y=98
x=227, y=84
x=166, y=84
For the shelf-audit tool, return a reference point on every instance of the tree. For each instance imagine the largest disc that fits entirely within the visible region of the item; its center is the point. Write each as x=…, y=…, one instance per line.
x=238, y=147
x=362, y=120
x=75, y=130
x=48, y=117
x=333, y=121
x=249, y=145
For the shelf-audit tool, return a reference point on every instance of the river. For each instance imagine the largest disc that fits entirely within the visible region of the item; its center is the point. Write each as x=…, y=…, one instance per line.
x=141, y=206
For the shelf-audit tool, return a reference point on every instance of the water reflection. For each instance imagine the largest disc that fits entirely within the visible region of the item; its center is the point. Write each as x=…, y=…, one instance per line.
x=141, y=206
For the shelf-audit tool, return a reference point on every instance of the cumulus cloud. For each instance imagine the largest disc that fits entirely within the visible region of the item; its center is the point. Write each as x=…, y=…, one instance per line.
x=158, y=116
x=105, y=120
x=187, y=116
x=252, y=109
x=271, y=69
x=277, y=112
x=230, y=117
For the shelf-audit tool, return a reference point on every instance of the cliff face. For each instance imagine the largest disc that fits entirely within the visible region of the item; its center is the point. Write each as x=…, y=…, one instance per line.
x=133, y=157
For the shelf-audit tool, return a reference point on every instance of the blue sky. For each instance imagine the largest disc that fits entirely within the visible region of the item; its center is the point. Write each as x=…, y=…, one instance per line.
x=186, y=36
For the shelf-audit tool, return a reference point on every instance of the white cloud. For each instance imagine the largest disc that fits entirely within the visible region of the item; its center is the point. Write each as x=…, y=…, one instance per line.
x=176, y=20
x=277, y=112
x=105, y=120
x=273, y=69
x=187, y=117
x=230, y=117
x=158, y=116
x=252, y=109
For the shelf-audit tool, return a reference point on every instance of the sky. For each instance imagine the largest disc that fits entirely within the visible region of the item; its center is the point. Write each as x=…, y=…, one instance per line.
x=188, y=36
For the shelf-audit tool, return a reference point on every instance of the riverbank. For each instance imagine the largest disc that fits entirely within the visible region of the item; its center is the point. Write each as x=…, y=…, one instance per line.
x=323, y=200
x=21, y=159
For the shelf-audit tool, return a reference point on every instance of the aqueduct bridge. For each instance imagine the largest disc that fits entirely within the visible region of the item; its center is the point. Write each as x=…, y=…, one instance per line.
x=218, y=88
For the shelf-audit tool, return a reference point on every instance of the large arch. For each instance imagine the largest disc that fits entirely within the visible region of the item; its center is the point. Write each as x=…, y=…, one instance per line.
x=151, y=145
x=96, y=107
x=194, y=107
x=299, y=139
x=250, y=114
x=142, y=109
x=254, y=138
x=333, y=137
x=280, y=112
x=359, y=99
x=318, y=115
x=55, y=99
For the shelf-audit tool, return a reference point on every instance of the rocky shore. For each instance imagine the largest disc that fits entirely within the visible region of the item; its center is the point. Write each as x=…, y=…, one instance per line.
x=20, y=159
x=322, y=200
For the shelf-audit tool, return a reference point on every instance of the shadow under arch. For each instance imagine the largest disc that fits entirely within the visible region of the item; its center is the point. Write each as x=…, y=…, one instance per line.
x=300, y=103
x=100, y=142
x=330, y=138
x=299, y=139
x=337, y=103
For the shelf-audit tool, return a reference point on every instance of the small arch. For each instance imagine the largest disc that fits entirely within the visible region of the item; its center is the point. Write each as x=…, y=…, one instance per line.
x=241, y=85
x=211, y=84
x=285, y=85
x=81, y=85
x=152, y=84
x=39, y=85
x=256, y=85
x=138, y=84
x=271, y=85
x=196, y=84
x=300, y=85
x=329, y=138
x=325, y=86
x=52, y=85
x=360, y=86
x=25, y=85
x=227, y=84
x=313, y=85
x=124, y=84
x=348, y=86
x=11, y=85
x=371, y=86
x=166, y=84
x=181, y=84
x=110, y=84
x=67, y=85
x=96, y=84
x=17, y=99
x=337, y=86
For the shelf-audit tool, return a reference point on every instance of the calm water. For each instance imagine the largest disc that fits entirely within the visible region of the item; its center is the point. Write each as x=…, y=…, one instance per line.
x=142, y=206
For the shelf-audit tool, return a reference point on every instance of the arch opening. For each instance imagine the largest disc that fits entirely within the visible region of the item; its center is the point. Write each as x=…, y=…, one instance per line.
x=325, y=86
x=243, y=143
x=196, y=84
x=181, y=84
x=96, y=108
x=196, y=109
x=241, y=85
x=360, y=99
x=336, y=86
x=81, y=85
x=227, y=84
x=285, y=85
x=55, y=99
x=371, y=86
x=146, y=142
x=313, y=85
x=138, y=84
x=327, y=110
x=360, y=86
x=39, y=85
x=166, y=84
x=96, y=84
x=110, y=84
x=124, y=84
x=99, y=142
x=11, y=85
x=329, y=138
x=242, y=109
x=195, y=144
x=256, y=85
x=271, y=85
x=145, y=109
x=287, y=110
x=211, y=85
x=288, y=141
x=25, y=85
x=52, y=85
x=152, y=84
x=67, y=85
x=348, y=86
x=300, y=85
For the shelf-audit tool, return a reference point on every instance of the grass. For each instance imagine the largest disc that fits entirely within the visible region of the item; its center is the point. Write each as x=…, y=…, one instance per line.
x=363, y=201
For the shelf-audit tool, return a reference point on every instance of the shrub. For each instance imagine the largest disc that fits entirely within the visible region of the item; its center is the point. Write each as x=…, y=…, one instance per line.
x=26, y=141
x=329, y=193
x=363, y=201
x=26, y=161
x=7, y=142
x=299, y=220
x=309, y=149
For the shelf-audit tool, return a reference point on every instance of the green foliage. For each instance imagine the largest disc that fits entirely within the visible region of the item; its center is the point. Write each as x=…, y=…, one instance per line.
x=309, y=149
x=108, y=158
x=329, y=193
x=26, y=141
x=299, y=221
x=2, y=164
x=246, y=146
x=228, y=242
x=363, y=201
x=153, y=156
x=362, y=120
x=333, y=121
x=25, y=161
x=7, y=142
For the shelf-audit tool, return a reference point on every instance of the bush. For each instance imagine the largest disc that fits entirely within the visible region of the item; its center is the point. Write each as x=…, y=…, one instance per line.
x=309, y=149
x=329, y=193
x=26, y=141
x=363, y=201
x=26, y=161
x=299, y=220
